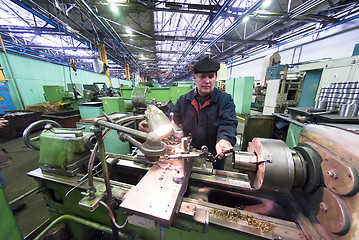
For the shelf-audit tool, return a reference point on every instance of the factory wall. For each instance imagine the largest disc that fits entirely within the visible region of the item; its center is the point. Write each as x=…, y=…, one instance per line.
x=332, y=43
x=31, y=74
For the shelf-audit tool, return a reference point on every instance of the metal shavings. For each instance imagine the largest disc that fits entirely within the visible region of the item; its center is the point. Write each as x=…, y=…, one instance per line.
x=235, y=215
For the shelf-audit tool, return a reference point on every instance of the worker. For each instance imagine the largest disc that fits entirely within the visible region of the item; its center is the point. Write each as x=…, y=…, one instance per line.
x=207, y=113
x=4, y=159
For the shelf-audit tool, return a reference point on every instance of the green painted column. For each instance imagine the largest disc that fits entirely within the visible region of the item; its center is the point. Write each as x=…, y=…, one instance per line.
x=310, y=87
x=241, y=92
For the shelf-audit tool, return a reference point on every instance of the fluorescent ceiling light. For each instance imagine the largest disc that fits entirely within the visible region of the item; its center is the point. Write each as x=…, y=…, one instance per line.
x=117, y=1
x=128, y=30
x=266, y=3
x=114, y=8
x=245, y=19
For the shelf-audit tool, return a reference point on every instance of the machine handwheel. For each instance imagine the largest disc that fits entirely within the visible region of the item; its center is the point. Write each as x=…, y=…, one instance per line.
x=36, y=126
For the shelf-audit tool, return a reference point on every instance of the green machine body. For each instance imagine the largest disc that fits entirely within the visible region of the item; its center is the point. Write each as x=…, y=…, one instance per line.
x=64, y=151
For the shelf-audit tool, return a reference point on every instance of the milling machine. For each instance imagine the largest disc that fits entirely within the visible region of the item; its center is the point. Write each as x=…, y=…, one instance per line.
x=166, y=189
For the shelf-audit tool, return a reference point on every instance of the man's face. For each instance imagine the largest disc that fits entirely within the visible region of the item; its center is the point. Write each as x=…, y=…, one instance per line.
x=205, y=82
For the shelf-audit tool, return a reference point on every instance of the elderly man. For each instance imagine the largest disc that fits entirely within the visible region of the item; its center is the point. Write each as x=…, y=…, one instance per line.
x=207, y=113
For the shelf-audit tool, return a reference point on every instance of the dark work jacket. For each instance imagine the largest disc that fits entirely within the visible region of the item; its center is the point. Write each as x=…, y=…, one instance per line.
x=215, y=120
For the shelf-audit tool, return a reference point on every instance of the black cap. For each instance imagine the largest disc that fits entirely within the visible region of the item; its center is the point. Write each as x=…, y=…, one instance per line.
x=206, y=65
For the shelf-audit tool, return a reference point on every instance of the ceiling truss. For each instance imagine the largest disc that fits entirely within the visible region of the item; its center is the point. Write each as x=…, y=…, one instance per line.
x=159, y=39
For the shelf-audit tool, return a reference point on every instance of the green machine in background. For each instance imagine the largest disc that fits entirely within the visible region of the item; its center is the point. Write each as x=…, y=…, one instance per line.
x=113, y=104
x=241, y=92
x=91, y=110
x=160, y=94
x=54, y=93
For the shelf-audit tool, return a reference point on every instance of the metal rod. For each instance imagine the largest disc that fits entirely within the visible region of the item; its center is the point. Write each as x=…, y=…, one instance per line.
x=82, y=221
x=289, y=119
x=101, y=149
x=94, y=151
x=24, y=195
x=123, y=129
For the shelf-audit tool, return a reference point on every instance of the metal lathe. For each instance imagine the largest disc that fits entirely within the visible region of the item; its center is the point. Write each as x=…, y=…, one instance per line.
x=164, y=189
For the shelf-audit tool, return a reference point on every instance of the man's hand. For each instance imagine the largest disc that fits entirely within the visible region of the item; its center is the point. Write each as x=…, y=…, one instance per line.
x=3, y=122
x=221, y=146
x=143, y=126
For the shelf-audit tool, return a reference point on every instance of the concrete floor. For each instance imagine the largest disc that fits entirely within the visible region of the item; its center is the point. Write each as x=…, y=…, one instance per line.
x=24, y=160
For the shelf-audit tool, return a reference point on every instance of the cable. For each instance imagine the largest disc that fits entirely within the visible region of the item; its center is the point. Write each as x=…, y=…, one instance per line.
x=113, y=220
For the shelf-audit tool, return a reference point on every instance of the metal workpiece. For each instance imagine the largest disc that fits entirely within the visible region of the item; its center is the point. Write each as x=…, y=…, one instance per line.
x=246, y=161
x=177, y=133
x=321, y=104
x=276, y=168
x=338, y=96
x=223, y=179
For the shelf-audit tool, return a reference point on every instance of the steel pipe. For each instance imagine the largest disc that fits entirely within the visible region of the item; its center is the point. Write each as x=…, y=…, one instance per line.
x=94, y=151
x=82, y=221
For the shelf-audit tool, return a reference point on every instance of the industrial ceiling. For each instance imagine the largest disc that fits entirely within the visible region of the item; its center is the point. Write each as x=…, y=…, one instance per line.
x=160, y=39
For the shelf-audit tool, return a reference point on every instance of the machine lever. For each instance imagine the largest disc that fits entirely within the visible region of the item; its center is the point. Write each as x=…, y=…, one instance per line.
x=224, y=151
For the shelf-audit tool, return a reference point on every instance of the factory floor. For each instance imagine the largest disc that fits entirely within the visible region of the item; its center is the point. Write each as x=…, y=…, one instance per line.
x=18, y=183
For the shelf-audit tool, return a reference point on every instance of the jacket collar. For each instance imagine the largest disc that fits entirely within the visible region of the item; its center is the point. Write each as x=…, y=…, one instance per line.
x=214, y=98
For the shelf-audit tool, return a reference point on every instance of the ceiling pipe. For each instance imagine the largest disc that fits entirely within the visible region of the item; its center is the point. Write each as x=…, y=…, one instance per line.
x=210, y=24
x=248, y=12
x=295, y=12
x=35, y=54
x=28, y=8
x=84, y=3
x=316, y=31
x=230, y=28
